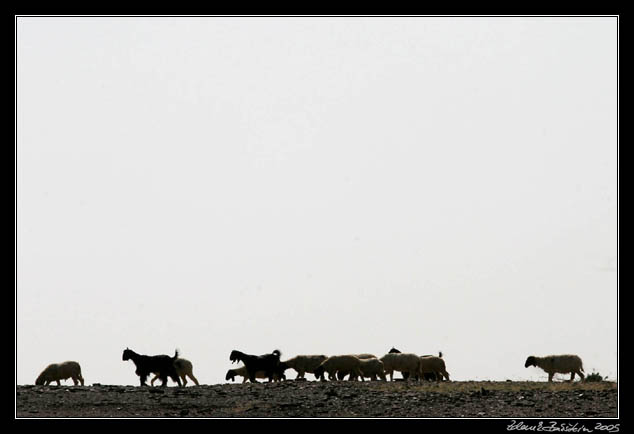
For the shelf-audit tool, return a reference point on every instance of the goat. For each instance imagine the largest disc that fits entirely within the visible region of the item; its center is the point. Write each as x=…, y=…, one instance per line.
x=184, y=369
x=269, y=363
x=162, y=365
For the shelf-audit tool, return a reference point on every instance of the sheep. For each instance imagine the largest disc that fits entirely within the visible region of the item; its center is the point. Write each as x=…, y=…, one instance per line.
x=333, y=364
x=162, y=364
x=403, y=362
x=427, y=376
x=371, y=368
x=433, y=366
x=342, y=374
x=184, y=369
x=60, y=371
x=303, y=364
x=563, y=364
x=270, y=363
x=242, y=372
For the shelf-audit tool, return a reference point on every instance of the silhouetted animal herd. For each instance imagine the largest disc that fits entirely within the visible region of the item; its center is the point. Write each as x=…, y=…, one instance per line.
x=269, y=366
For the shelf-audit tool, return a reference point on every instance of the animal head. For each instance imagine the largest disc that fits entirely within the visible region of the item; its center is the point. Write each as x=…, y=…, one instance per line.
x=40, y=380
x=393, y=350
x=127, y=354
x=530, y=361
x=231, y=374
x=235, y=356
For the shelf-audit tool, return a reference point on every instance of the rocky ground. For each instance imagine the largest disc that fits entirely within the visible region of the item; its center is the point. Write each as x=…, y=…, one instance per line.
x=313, y=399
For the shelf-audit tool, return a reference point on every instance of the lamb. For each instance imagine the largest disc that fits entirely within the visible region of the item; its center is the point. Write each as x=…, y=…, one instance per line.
x=60, y=371
x=184, y=369
x=371, y=368
x=563, y=364
x=242, y=372
x=433, y=366
x=162, y=364
x=303, y=364
x=403, y=362
x=333, y=364
x=269, y=363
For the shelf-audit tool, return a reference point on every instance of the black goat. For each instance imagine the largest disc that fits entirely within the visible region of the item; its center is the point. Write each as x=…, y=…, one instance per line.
x=267, y=363
x=430, y=376
x=162, y=365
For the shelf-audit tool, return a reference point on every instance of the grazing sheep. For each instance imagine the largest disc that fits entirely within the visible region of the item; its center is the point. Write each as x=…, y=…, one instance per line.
x=269, y=363
x=433, y=367
x=332, y=365
x=371, y=368
x=242, y=372
x=162, y=365
x=403, y=362
x=342, y=374
x=184, y=369
x=303, y=364
x=60, y=371
x=563, y=364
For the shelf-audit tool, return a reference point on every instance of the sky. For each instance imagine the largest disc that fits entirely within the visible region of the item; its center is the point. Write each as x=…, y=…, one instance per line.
x=317, y=185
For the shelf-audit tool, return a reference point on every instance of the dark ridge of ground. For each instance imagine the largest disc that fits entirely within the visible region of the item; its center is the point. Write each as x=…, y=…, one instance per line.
x=314, y=399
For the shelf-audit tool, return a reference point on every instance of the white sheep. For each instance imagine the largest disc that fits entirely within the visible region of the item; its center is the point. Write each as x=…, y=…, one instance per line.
x=334, y=364
x=433, y=365
x=60, y=371
x=184, y=369
x=563, y=364
x=371, y=368
x=304, y=363
x=242, y=372
x=402, y=362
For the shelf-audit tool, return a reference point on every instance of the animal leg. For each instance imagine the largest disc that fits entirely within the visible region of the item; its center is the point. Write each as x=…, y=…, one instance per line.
x=184, y=380
x=550, y=377
x=163, y=378
x=581, y=375
x=153, y=380
x=142, y=378
x=58, y=383
x=191, y=375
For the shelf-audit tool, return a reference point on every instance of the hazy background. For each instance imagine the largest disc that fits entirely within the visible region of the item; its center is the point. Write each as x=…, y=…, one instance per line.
x=320, y=185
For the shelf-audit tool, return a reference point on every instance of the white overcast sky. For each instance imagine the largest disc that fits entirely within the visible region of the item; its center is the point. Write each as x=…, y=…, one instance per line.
x=319, y=185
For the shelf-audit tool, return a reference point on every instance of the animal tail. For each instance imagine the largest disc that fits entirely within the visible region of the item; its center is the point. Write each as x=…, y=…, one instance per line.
x=440, y=354
x=176, y=353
